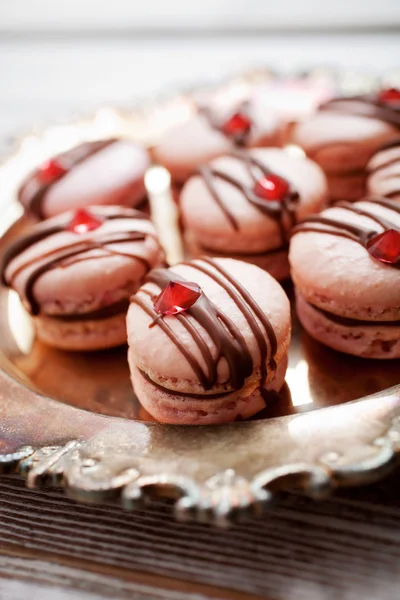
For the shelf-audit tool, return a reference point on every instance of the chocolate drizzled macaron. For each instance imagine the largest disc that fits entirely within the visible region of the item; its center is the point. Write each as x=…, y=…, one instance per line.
x=345, y=264
x=343, y=135
x=213, y=132
x=244, y=205
x=104, y=172
x=383, y=171
x=76, y=272
x=207, y=340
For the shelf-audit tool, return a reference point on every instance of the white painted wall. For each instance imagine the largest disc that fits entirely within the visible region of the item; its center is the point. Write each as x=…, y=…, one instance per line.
x=22, y=15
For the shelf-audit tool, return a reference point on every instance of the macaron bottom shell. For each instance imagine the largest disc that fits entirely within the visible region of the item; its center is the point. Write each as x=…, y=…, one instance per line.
x=275, y=262
x=167, y=407
x=82, y=335
x=370, y=340
x=346, y=186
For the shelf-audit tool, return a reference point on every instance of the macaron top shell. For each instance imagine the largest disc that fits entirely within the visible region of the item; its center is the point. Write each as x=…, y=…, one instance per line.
x=96, y=173
x=196, y=141
x=159, y=357
x=329, y=137
x=256, y=231
x=384, y=171
x=339, y=275
x=101, y=274
x=342, y=123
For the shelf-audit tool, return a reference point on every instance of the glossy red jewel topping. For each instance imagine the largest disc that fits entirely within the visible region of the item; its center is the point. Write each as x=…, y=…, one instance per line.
x=272, y=187
x=51, y=170
x=83, y=222
x=238, y=124
x=390, y=96
x=385, y=246
x=177, y=297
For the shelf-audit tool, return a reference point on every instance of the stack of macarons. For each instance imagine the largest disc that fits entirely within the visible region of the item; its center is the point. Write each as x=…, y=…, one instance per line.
x=90, y=249
x=343, y=135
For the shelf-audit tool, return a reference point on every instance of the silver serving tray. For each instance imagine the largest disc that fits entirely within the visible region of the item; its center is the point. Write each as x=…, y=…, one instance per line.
x=72, y=420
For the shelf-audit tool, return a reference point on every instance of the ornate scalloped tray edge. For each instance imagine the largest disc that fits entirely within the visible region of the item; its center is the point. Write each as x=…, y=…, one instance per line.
x=216, y=473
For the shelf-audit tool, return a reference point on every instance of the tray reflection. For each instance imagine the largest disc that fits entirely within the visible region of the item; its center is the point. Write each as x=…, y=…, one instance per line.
x=99, y=381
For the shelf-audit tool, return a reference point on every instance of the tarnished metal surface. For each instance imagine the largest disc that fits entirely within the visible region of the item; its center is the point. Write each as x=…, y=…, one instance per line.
x=216, y=472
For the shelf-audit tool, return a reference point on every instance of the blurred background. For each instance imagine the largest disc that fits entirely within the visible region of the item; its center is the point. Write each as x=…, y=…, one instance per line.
x=56, y=58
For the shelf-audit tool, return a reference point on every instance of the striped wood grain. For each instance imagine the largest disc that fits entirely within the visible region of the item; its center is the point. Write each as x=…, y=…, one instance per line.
x=346, y=548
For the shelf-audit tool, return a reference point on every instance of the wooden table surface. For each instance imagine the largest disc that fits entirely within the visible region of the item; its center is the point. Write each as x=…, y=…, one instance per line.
x=346, y=548
x=54, y=549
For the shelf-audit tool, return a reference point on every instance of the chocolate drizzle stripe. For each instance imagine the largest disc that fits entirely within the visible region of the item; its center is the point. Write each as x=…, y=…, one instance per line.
x=277, y=210
x=393, y=193
x=45, y=230
x=233, y=254
x=232, y=292
x=313, y=228
x=202, y=346
x=23, y=243
x=211, y=318
x=233, y=330
x=92, y=244
x=243, y=301
x=207, y=174
x=251, y=302
x=104, y=312
x=317, y=224
x=349, y=322
x=390, y=162
x=392, y=144
x=174, y=339
x=384, y=223
x=351, y=231
x=36, y=202
x=365, y=106
x=243, y=108
x=68, y=253
x=382, y=166
x=213, y=396
x=394, y=206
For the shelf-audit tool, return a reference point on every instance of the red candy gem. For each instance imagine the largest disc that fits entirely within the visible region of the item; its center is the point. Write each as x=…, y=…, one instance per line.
x=272, y=187
x=238, y=124
x=177, y=297
x=83, y=222
x=385, y=246
x=51, y=170
x=390, y=96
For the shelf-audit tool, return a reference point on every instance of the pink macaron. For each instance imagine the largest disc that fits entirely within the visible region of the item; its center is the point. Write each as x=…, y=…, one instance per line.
x=296, y=98
x=345, y=264
x=76, y=272
x=104, y=172
x=343, y=135
x=244, y=205
x=383, y=171
x=208, y=340
x=212, y=131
